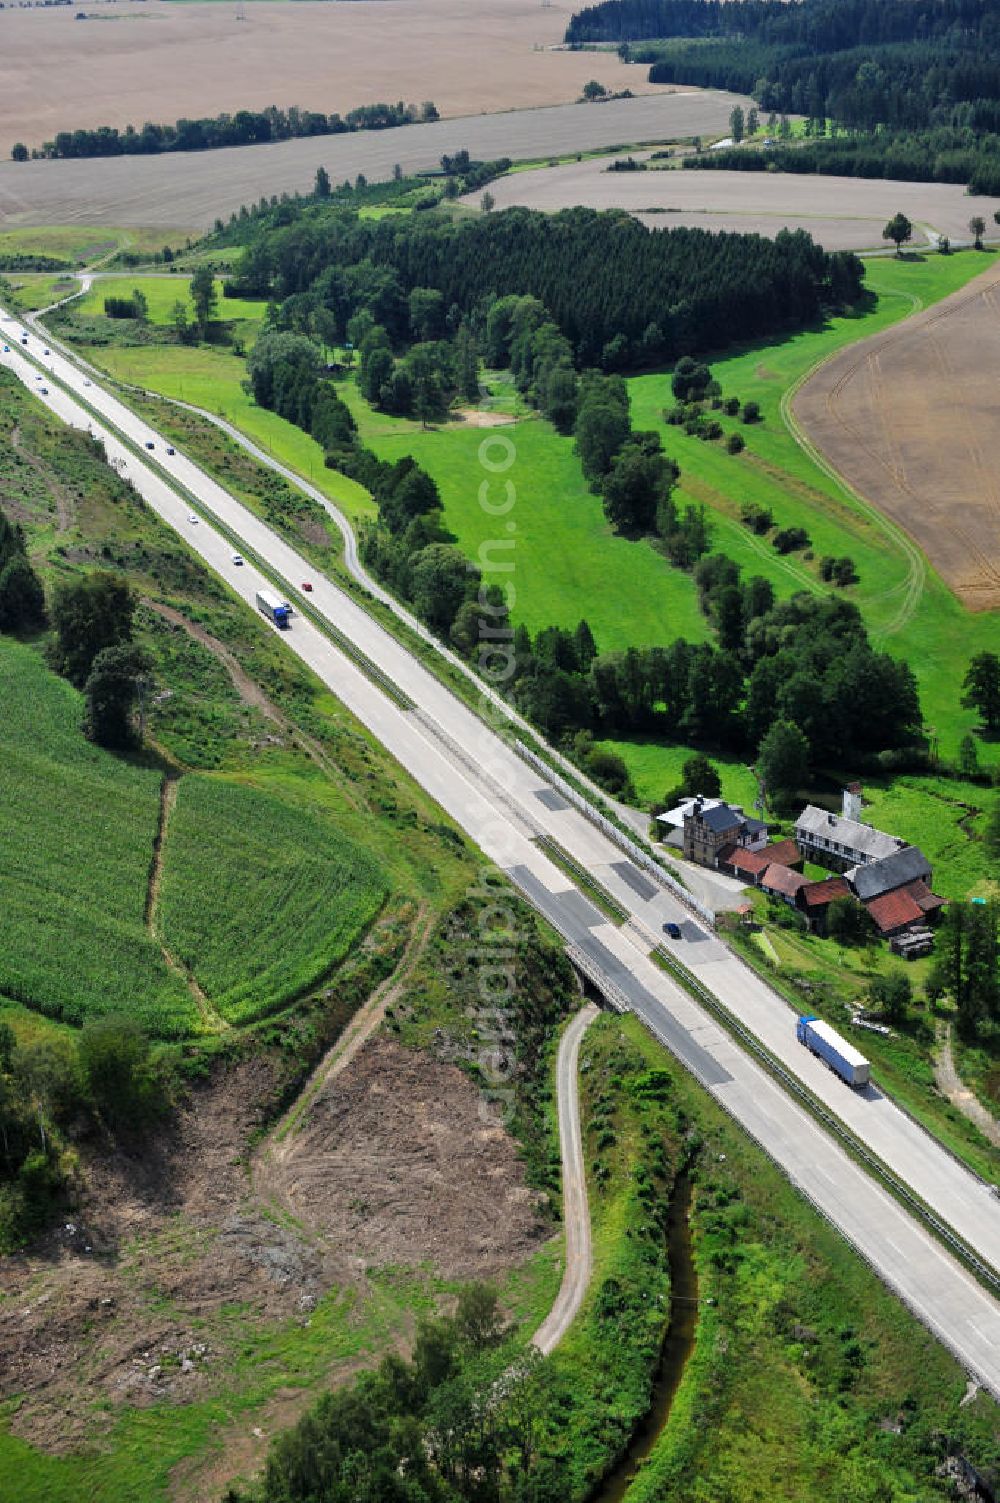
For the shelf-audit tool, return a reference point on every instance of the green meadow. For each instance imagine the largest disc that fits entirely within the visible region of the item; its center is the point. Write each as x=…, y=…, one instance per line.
x=162, y=293
x=567, y=561
x=212, y=378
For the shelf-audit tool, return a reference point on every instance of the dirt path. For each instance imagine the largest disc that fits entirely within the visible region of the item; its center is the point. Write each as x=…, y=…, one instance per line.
x=64, y=505
x=576, y=1210
x=212, y=1020
x=948, y=1080
x=250, y=692
x=269, y=1164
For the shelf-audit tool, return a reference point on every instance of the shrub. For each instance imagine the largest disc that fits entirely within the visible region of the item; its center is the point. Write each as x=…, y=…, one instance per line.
x=735, y=443
x=751, y=412
x=789, y=539
x=757, y=518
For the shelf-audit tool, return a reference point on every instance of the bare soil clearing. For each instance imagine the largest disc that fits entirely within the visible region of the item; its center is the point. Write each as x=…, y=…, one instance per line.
x=127, y=1299
x=192, y=188
x=397, y=1162
x=841, y=213
x=144, y=60
x=911, y=419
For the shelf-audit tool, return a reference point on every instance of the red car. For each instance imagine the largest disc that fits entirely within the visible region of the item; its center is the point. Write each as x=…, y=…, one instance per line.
x=306, y=585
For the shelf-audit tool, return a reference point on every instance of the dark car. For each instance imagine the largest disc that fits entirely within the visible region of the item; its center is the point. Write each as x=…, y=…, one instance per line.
x=149, y=443
x=306, y=585
x=171, y=449
x=674, y=930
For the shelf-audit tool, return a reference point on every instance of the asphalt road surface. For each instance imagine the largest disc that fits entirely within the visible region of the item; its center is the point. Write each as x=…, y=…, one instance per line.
x=576, y=1211
x=505, y=806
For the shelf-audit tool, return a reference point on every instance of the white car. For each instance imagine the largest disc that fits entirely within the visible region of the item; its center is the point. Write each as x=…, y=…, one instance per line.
x=43, y=391
x=192, y=517
x=237, y=558
x=85, y=381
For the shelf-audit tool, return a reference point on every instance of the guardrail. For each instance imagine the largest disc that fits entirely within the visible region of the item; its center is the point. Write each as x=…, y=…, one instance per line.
x=634, y=852
x=858, y=1150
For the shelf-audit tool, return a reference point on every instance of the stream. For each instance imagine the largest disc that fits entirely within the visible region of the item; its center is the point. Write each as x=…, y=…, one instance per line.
x=678, y=1344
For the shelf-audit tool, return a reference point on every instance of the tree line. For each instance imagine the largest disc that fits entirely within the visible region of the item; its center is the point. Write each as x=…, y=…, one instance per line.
x=945, y=154
x=870, y=65
x=618, y=292
x=244, y=128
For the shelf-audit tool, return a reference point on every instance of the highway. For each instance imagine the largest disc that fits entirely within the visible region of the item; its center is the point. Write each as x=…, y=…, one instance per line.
x=516, y=814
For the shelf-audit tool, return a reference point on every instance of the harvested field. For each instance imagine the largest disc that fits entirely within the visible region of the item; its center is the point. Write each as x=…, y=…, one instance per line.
x=148, y=60
x=841, y=213
x=192, y=188
x=911, y=419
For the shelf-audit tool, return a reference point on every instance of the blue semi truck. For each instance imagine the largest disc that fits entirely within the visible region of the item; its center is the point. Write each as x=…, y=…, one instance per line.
x=274, y=608
x=842, y=1058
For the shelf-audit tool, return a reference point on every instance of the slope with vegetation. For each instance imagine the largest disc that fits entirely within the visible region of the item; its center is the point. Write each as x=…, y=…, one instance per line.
x=288, y=828
x=791, y=1326
x=642, y=1119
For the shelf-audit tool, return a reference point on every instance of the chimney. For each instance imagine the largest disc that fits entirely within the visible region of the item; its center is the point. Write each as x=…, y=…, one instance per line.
x=852, y=802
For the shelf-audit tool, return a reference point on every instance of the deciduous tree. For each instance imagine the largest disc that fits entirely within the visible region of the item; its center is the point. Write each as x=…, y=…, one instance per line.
x=89, y=614
x=22, y=599
x=203, y=295
x=783, y=762
x=111, y=691
x=899, y=230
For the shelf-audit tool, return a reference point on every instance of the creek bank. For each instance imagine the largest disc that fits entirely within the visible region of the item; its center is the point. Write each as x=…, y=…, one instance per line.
x=678, y=1344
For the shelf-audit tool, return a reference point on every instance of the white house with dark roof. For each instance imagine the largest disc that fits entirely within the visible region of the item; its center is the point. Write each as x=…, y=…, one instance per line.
x=831, y=840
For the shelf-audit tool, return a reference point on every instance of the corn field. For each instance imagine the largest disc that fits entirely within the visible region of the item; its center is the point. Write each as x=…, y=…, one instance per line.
x=77, y=828
x=259, y=898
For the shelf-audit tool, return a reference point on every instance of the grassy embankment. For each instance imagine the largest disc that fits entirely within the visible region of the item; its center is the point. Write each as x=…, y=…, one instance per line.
x=304, y=791
x=212, y=378
x=808, y=1379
